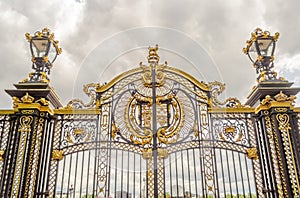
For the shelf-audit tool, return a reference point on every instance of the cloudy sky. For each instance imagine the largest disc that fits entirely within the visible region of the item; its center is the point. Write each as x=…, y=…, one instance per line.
x=101, y=39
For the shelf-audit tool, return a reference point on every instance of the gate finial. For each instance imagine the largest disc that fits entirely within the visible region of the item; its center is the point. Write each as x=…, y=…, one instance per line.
x=153, y=56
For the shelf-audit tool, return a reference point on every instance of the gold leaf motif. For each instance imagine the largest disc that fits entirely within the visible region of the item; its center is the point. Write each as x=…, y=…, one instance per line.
x=79, y=131
x=267, y=100
x=230, y=129
x=43, y=101
x=15, y=101
x=28, y=37
x=57, y=155
x=252, y=153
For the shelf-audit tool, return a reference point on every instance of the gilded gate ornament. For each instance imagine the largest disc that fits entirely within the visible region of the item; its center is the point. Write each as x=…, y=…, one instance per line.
x=27, y=99
x=216, y=89
x=57, y=154
x=1, y=155
x=25, y=124
x=280, y=97
x=252, y=153
x=90, y=91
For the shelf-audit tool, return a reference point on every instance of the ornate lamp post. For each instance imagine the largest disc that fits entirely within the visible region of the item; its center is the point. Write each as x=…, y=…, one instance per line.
x=44, y=50
x=260, y=49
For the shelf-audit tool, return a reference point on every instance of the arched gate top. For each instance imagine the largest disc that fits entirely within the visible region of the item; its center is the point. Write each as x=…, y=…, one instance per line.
x=202, y=85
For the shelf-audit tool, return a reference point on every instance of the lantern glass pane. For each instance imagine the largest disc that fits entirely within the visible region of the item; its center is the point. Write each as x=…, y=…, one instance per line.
x=265, y=46
x=39, y=47
x=52, y=53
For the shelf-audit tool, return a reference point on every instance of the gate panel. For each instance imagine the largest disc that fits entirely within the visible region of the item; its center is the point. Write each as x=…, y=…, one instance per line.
x=155, y=135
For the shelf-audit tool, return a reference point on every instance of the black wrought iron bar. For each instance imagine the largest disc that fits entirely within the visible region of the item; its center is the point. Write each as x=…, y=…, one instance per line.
x=195, y=173
x=268, y=166
x=202, y=172
x=234, y=168
x=69, y=176
x=188, y=169
x=75, y=179
x=122, y=170
x=216, y=182
x=170, y=165
x=246, y=165
x=242, y=177
x=88, y=175
x=222, y=172
x=8, y=164
x=182, y=173
x=141, y=178
x=228, y=171
x=63, y=176
x=154, y=126
x=109, y=167
x=42, y=162
x=95, y=171
x=164, y=178
x=147, y=179
x=116, y=173
x=128, y=173
x=48, y=145
x=176, y=173
x=81, y=176
x=134, y=174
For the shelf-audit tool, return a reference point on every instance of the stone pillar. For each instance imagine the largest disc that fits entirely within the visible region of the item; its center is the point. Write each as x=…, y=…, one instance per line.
x=28, y=154
x=277, y=137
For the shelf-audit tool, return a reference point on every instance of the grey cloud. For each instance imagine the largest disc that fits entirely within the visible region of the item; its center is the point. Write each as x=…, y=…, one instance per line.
x=219, y=29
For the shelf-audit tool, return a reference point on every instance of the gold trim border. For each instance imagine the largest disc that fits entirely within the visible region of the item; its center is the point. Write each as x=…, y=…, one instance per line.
x=107, y=86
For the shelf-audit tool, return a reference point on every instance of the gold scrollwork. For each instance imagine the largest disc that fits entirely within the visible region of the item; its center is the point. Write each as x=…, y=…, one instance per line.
x=90, y=91
x=159, y=75
x=57, y=155
x=15, y=101
x=114, y=130
x=216, y=89
x=252, y=153
x=170, y=134
x=25, y=124
x=283, y=119
x=153, y=59
x=280, y=110
x=43, y=101
x=27, y=111
x=141, y=136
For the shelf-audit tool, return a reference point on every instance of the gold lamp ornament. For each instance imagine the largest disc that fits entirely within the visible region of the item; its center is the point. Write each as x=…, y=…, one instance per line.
x=260, y=50
x=44, y=50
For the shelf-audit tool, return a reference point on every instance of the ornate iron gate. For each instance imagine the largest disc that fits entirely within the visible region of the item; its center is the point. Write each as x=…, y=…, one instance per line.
x=154, y=136
x=153, y=131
